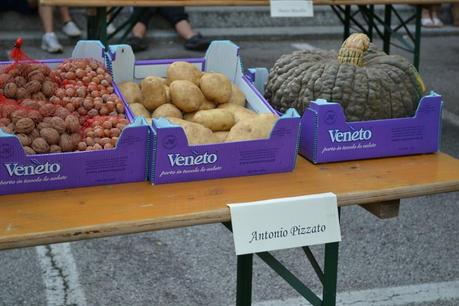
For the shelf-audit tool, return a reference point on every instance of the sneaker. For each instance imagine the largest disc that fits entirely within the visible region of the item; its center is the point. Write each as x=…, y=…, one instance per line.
x=110, y=29
x=437, y=22
x=71, y=29
x=137, y=43
x=427, y=22
x=50, y=43
x=197, y=43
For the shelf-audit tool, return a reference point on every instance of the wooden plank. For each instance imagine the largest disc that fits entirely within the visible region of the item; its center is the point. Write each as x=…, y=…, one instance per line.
x=83, y=213
x=384, y=210
x=108, y=3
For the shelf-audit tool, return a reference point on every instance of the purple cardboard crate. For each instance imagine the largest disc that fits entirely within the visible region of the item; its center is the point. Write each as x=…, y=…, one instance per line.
x=125, y=163
x=326, y=136
x=174, y=160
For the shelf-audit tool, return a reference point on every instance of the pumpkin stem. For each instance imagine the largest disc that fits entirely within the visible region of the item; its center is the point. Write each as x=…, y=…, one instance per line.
x=353, y=49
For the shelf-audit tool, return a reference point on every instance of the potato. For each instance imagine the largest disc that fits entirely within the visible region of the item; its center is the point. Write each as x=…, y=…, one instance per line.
x=221, y=135
x=216, y=87
x=189, y=116
x=195, y=133
x=131, y=92
x=237, y=96
x=167, y=110
x=156, y=78
x=168, y=94
x=153, y=93
x=207, y=105
x=139, y=110
x=183, y=71
x=239, y=112
x=257, y=127
x=186, y=96
x=215, y=119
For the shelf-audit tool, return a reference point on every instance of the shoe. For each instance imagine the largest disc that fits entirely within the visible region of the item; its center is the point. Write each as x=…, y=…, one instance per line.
x=427, y=22
x=110, y=29
x=50, y=43
x=437, y=22
x=197, y=43
x=71, y=29
x=137, y=43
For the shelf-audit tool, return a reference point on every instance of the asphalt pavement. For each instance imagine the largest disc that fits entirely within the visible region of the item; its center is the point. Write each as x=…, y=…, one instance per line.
x=196, y=265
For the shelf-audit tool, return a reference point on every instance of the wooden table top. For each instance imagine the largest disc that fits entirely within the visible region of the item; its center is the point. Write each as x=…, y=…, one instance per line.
x=108, y=3
x=74, y=214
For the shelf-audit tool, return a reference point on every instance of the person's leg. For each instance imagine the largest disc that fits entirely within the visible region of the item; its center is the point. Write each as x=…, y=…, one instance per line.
x=434, y=13
x=49, y=40
x=137, y=39
x=69, y=28
x=46, y=16
x=178, y=18
x=455, y=13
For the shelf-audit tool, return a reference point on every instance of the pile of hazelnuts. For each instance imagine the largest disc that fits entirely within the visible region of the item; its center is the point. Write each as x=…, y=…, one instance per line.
x=70, y=108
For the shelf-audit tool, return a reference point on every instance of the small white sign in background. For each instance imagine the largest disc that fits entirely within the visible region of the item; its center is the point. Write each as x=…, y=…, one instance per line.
x=292, y=8
x=285, y=223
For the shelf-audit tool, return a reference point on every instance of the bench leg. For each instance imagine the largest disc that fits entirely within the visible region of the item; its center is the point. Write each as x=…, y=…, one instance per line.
x=244, y=280
x=330, y=274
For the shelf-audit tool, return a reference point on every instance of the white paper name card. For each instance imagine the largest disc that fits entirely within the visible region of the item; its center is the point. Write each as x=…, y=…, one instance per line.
x=285, y=223
x=292, y=8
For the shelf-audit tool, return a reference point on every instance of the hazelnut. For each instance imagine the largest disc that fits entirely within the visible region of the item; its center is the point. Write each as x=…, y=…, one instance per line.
x=108, y=146
x=76, y=138
x=82, y=146
x=40, y=145
x=97, y=147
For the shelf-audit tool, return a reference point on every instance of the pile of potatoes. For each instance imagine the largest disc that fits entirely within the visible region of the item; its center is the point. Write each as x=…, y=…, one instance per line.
x=207, y=105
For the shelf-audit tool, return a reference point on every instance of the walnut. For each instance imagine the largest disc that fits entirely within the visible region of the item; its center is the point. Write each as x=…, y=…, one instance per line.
x=4, y=121
x=28, y=103
x=24, y=139
x=28, y=150
x=47, y=109
x=7, y=109
x=40, y=145
x=4, y=78
x=48, y=88
x=33, y=86
x=36, y=75
x=44, y=125
x=58, y=124
x=50, y=135
x=18, y=114
x=61, y=112
x=24, y=125
x=10, y=90
x=72, y=123
x=66, y=143
x=54, y=149
x=20, y=81
x=35, y=115
x=35, y=134
x=22, y=93
x=38, y=96
x=76, y=138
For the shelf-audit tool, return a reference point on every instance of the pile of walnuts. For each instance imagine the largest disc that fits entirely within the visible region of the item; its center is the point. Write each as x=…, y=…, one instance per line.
x=61, y=110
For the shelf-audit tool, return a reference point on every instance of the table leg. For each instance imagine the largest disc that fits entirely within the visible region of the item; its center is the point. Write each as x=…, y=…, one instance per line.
x=371, y=23
x=330, y=274
x=244, y=280
x=387, y=28
x=347, y=21
x=102, y=25
x=417, y=38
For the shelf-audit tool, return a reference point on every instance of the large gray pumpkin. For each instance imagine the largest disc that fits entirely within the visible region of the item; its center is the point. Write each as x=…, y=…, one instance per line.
x=368, y=83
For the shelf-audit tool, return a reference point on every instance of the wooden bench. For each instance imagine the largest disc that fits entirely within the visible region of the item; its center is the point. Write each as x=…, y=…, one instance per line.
x=75, y=214
x=346, y=10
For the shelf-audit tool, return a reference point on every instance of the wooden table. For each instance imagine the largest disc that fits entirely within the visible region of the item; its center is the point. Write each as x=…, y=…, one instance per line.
x=346, y=10
x=75, y=214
